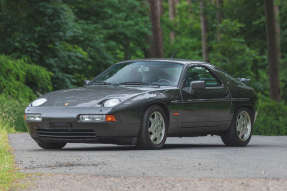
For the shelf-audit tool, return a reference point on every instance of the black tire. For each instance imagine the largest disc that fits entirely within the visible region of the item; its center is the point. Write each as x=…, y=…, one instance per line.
x=231, y=137
x=50, y=145
x=144, y=139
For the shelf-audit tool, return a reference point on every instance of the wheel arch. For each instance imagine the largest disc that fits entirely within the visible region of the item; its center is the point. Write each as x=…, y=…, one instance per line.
x=160, y=104
x=247, y=106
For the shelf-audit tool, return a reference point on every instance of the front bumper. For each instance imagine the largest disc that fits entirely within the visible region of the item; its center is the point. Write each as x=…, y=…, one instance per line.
x=62, y=125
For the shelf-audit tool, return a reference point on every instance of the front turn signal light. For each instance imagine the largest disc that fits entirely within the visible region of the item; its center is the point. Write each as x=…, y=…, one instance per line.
x=110, y=118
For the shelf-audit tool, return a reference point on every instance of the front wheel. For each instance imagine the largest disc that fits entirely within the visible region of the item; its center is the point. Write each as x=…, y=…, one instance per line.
x=154, y=129
x=51, y=145
x=240, y=131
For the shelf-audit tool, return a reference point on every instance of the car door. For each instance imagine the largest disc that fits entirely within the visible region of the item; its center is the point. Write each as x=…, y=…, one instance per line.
x=208, y=106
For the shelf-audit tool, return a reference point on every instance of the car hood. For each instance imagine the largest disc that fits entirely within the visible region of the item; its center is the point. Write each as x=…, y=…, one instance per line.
x=91, y=96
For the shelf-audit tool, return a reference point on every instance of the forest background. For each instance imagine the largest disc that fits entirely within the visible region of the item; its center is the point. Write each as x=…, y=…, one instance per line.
x=56, y=44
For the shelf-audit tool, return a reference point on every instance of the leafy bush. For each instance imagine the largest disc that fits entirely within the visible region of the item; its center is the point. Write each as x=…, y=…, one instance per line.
x=271, y=118
x=20, y=82
x=12, y=114
x=231, y=53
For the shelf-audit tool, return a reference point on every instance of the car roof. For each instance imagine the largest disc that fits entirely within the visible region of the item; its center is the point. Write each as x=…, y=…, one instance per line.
x=181, y=61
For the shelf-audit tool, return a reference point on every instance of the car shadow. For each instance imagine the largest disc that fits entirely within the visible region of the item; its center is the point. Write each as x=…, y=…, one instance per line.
x=166, y=147
x=134, y=148
x=193, y=146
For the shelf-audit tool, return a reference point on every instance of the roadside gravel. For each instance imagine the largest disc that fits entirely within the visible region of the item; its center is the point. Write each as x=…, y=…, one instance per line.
x=64, y=182
x=199, y=163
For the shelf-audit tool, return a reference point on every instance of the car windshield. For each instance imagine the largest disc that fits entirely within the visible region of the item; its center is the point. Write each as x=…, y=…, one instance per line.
x=141, y=73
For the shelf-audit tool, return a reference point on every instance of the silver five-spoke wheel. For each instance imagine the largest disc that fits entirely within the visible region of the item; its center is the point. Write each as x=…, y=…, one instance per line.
x=243, y=125
x=240, y=130
x=156, y=127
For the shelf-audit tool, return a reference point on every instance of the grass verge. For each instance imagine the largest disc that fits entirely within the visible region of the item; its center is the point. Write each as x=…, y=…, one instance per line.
x=8, y=172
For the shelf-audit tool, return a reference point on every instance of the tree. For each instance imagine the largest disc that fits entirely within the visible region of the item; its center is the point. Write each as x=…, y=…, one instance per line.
x=172, y=14
x=277, y=16
x=219, y=16
x=155, y=12
x=273, y=41
x=204, y=30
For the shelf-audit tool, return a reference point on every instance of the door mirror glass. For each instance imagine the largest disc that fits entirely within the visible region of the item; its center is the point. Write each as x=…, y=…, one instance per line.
x=194, y=85
x=197, y=85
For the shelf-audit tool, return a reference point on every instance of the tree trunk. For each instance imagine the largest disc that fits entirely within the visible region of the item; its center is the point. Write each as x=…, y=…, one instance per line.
x=127, y=54
x=189, y=2
x=273, y=41
x=277, y=17
x=219, y=16
x=172, y=9
x=203, y=21
x=155, y=11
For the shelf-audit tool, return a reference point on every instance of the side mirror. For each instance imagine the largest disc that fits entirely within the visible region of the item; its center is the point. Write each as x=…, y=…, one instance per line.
x=87, y=82
x=196, y=85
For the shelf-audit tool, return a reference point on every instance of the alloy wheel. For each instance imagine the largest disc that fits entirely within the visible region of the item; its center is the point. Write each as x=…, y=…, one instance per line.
x=243, y=125
x=156, y=127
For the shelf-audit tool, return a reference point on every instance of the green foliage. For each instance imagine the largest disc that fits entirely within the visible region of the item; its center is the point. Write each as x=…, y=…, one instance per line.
x=186, y=26
x=251, y=14
x=271, y=118
x=231, y=53
x=19, y=84
x=111, y=31
x=74, y=40
x=12, y=114
x=21, y=80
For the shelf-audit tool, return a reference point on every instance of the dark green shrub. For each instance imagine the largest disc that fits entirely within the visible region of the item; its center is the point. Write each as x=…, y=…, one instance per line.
x=271, y=118
x=12, y=114
x=20, y=82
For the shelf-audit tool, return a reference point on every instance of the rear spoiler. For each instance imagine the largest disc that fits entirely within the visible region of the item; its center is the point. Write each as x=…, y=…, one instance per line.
x=244, y=80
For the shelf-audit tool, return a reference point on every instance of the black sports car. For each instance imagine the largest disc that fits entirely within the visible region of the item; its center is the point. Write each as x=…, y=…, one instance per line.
x=142, y=102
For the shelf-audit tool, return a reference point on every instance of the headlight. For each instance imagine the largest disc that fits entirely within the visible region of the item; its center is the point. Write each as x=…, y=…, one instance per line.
x=92, y=118
x=33, y=117
x=38, y=102
x=97, y=118
x=112, y=102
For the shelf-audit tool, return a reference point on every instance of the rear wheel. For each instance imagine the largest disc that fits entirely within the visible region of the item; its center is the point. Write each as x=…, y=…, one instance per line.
x=51, y=145
x=154, y=128
x=240, y=131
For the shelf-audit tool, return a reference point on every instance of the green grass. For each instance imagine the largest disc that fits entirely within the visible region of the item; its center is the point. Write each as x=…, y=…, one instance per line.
x=8, y=173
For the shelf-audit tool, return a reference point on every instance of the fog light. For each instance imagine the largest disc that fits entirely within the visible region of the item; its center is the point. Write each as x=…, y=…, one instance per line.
x=33, y=117
x=92, y=118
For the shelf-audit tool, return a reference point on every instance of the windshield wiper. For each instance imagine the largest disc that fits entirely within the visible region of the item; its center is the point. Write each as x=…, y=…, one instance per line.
x=100, y=83
x=138, y=83
x=133, y=83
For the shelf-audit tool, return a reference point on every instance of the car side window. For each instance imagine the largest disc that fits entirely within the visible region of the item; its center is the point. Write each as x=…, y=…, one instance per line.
x=199, y=73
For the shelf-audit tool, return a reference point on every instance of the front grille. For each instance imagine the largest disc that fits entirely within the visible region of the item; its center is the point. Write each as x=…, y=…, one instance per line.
x=67, y=133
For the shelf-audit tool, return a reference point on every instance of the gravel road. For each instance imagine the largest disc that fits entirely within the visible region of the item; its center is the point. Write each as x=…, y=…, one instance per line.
x=201, y=163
